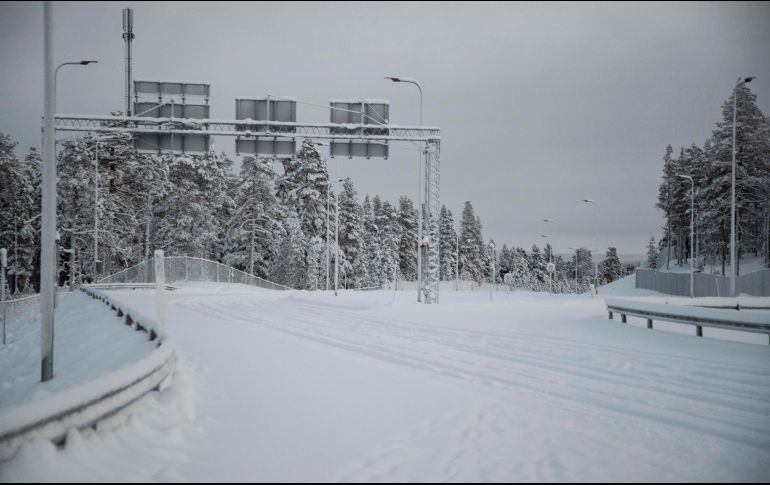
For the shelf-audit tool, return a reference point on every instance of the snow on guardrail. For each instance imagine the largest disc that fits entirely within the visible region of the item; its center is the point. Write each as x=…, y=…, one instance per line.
x=757, y=322
x=86, y=405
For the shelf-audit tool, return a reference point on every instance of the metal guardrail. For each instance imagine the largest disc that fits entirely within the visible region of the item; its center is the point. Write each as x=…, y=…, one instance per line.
x=107, y=395
x=690, y=315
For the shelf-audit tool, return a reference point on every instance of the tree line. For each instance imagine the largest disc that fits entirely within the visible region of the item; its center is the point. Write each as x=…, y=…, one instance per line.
x=710, y=167
x=272, y=219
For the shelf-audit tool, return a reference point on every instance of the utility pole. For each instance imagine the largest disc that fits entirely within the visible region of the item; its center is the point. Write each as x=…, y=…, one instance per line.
x=128, y=37
x=48, y=216
x=3, y=266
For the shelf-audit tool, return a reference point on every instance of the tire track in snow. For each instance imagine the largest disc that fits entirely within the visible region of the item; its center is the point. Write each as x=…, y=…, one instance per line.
x=452, y=352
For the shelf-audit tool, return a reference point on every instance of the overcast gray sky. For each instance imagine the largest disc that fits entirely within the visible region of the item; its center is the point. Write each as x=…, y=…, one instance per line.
x=540, y=105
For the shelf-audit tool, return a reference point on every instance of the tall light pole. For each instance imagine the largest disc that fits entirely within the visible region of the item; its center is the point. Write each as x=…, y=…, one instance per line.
x=336, y=231
x=733, y=252
x=596, y=233
x=48, y=183
x=692, y=233
x=419, y=188
x=48, y=213
x=56, y=74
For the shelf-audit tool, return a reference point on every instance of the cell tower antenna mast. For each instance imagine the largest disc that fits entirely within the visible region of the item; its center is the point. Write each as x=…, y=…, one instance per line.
x=128, y=37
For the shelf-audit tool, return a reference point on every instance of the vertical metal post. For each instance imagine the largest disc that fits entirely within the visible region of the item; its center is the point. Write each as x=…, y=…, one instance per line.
x=3, y=266
x=160, y=292
x=128, y=37
x=48, y=219
x=336, y=230
x=732, y=197
x=328, y=208
x=692, y=240
x=96, y=211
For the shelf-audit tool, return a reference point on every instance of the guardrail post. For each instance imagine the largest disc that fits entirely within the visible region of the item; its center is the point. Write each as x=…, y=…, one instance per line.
x=623, y=318
x=610, y=315
x=649, y=323
x=160, y=291
x=699, y=331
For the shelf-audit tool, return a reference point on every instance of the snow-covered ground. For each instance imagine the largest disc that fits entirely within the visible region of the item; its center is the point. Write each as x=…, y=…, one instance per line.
x=373, y=386
x=89, y=341
x=749, y=264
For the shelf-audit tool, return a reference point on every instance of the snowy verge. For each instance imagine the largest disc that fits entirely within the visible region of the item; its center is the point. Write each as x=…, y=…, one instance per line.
x=87, y=404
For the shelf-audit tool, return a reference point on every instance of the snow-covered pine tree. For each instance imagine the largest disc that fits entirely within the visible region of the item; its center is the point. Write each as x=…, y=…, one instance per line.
x=538, y=269
x=448, y=243
x=289, y=266
x=389, y=239
x=250, y=240
x=351, y=236
x=520, y=269
x=652, y=254
x=752, y=175
x=20, y=215
x=473, y=254
x=665, y=198
x=610, y=269
x=373, y=253
x=407, y=218
x=188, y=222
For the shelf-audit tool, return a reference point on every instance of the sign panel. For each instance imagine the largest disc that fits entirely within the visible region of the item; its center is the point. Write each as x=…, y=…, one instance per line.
x=266, y=109
x=367, y=149
x=172, y=110
x=164, y=143
x=360, y=112
x=166, y=90
x=266, y=146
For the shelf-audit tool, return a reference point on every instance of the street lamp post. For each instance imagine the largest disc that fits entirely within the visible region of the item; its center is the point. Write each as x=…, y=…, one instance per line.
x=733, y=252
x=692, y=233
x=336, y=231
x=419, y=188
x=48, y=183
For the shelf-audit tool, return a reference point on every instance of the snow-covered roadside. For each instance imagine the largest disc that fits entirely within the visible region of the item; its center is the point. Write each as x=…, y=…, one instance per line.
x=306, y=386
x=303, y=386
x=89, y=341
x=143, y=443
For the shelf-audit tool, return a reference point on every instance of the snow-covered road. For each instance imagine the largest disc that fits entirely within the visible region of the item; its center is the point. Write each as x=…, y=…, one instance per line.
x=306, y=386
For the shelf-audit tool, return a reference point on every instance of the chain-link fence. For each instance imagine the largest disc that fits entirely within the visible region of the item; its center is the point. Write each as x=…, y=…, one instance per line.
x=755, y=284
x=186, y=268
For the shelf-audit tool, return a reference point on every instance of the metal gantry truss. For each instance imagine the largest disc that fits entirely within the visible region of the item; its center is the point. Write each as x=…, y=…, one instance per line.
x=432, y=204
x=429, y=136
x=246, y=128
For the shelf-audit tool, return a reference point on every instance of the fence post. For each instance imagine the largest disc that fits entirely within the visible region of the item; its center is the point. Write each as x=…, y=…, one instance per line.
x=3, y=265
x=160, y=292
